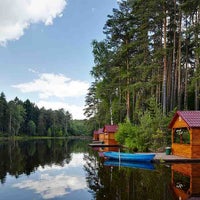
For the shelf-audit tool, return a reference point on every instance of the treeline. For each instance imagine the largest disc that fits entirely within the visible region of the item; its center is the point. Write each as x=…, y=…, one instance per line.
x=18, y=118
x=151, y=49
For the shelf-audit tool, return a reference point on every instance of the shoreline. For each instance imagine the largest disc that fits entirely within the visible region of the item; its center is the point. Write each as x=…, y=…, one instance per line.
x=42, y=137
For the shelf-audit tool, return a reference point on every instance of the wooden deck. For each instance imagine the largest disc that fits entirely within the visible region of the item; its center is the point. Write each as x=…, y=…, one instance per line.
x=162, y=157
x=103, y=145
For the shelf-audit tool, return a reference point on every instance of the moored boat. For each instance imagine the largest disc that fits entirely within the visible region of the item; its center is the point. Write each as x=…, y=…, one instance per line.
x=136, y=157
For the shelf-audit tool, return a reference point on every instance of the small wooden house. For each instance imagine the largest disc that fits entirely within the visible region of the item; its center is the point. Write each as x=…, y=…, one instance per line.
x=109, y=134
x=185, y=180
x=101, y=135
x=95, y=135
x=185, y=135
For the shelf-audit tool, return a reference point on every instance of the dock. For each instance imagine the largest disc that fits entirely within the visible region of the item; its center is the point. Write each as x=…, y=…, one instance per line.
x=103, y=145
x=162, y=157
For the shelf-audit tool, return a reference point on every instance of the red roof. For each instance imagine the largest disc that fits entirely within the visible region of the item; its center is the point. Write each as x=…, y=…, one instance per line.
x=100, y=130
x=95, y=132
x=110, y=128
x=192, y=118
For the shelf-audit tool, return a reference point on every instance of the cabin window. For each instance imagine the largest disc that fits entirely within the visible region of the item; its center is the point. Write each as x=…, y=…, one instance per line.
x=182, y=136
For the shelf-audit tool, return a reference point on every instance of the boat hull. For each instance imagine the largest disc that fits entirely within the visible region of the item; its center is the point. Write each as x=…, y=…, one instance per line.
x=134, y=157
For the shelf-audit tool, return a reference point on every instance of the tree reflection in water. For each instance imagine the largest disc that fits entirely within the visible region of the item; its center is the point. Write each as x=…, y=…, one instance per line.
x=24, y=157
x=108, y=182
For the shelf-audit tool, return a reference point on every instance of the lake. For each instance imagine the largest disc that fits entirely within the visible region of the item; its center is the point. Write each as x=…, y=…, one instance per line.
x=70, y=169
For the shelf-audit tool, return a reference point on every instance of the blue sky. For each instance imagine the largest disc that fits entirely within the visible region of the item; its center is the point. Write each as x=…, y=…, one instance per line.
x=45, y=50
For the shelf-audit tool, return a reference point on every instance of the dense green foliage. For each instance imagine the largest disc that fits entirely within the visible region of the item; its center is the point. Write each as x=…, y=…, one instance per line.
x=18, y=118
x=150, y=133
x=151, y=49
x=80, y=127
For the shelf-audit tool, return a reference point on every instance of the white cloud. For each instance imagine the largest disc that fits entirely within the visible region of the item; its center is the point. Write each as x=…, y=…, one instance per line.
x=16, y=16
x=59, y=87
x=54, y=85
x=76, y=111
x=53, y=186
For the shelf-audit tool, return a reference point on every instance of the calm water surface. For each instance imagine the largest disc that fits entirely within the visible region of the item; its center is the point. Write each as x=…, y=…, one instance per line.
x=69, y=169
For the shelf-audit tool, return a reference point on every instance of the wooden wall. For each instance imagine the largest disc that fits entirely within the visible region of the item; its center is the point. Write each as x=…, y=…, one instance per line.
x=195, y=151
x=195, y=139
x=101, y=137
x=109, y=136
x=183, y=150
x=179, y=123
x=110, y=142
x=109, y=139
x=186, y=150
x=95, y=136
x=106, y=136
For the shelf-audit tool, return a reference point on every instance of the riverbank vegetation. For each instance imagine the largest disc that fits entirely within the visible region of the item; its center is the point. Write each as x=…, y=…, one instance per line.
x=150, y=55
x=25, y=119
x=151, y=132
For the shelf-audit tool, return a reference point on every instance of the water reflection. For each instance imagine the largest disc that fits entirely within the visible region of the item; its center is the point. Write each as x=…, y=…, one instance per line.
x=113, y=180
x=49, y=184
x=109, y=182
x=62, y=169
x=186, y=180
x=119, y=163
x=25, y=157
x=43, y=169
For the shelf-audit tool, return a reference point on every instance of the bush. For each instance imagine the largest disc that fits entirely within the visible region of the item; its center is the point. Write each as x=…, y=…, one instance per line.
x=150, y=133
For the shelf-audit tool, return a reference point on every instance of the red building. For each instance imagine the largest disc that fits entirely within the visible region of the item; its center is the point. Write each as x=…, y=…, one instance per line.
x=95, y=135
x=109, y=134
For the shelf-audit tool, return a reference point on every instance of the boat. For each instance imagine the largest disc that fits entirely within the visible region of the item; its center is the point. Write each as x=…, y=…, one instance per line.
x=138, y=165
x=135, y=157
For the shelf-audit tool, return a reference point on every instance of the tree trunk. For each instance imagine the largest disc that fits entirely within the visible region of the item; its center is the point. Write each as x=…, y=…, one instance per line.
x=179, y=62
x=164, y=64
x=172, y=102
x=128, y=90
x=197, y=65
x=186, y=71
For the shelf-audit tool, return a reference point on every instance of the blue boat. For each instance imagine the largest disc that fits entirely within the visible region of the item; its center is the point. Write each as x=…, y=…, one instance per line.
x=135, y=157
x=138, y=165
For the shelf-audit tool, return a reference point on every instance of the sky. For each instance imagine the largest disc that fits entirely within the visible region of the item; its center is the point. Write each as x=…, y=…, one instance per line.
x=45, y=50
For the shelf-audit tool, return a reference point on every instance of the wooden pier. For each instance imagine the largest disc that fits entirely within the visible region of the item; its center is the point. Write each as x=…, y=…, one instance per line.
x=162, y=157
x=103, y=145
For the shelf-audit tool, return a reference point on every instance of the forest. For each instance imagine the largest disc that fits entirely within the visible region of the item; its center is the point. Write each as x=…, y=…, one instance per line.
x=18, y=118
x=146, y=68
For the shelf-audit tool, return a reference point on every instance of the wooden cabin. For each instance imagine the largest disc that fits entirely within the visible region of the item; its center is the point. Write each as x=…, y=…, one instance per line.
x=109, y=134
x=185, y=135
x=101, y=135
x=95, y=135
x=186, y=180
